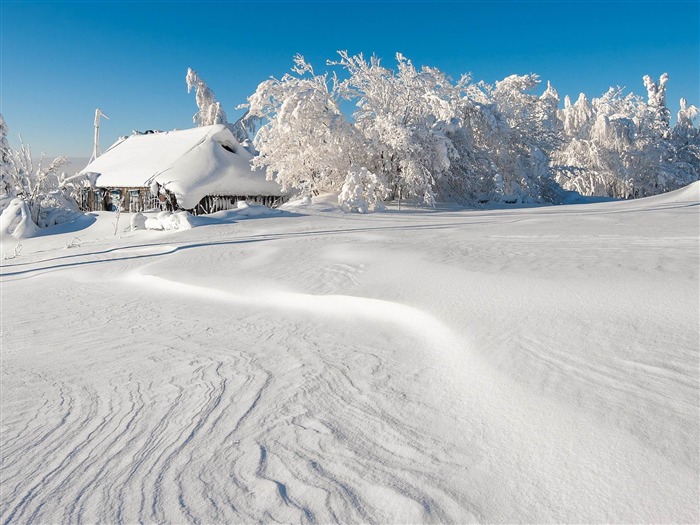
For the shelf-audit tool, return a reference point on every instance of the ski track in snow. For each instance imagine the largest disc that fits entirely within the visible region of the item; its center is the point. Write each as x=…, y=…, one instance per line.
x=327, y=389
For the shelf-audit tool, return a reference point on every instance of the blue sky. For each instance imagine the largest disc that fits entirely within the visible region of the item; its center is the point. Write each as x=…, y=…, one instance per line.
x=61, y=60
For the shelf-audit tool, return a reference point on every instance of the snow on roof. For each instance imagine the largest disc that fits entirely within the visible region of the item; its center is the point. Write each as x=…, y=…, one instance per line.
x=191, y=163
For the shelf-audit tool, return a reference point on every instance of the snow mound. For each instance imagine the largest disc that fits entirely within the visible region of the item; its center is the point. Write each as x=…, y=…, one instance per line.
x=167, y=220
x=253, y=210
x=687, y=194
x=183, y=220
x=16, y=220
x=324, y=202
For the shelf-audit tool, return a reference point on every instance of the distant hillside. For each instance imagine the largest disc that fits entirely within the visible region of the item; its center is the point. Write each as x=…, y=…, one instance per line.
x=76, y=163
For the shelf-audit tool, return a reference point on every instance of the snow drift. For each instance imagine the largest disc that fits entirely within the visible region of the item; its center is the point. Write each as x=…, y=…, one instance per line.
x=517, y=365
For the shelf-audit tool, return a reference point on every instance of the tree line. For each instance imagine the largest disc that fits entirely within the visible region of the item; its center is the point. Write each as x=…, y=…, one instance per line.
x=416, y=133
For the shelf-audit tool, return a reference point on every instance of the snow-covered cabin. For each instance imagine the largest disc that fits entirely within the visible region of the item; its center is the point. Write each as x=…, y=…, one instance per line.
x=202, y=170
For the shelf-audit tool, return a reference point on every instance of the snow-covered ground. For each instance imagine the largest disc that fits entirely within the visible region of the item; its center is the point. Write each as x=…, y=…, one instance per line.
x=519, y=365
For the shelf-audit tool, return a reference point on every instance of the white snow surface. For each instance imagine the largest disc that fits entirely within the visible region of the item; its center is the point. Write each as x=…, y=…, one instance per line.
x=190, y=162
x=521, y=365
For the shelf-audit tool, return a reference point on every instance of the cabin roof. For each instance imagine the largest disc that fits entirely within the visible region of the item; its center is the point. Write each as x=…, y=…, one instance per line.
x=191, y=163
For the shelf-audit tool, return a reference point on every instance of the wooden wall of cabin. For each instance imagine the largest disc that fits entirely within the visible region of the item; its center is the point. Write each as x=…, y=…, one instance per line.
x=214, y=203
x=135, y=200
x=132, y=200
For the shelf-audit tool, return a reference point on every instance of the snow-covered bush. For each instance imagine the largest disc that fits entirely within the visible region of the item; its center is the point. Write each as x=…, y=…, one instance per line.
x=16, y=220
x=363, y=191
x=46, y=201
x=55, y=207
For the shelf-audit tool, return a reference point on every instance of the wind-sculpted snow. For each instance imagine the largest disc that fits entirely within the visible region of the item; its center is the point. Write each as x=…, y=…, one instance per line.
x=252, y=422
x=448, y=367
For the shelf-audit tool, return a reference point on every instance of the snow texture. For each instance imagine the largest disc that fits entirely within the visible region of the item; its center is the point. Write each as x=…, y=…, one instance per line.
x=430, y=365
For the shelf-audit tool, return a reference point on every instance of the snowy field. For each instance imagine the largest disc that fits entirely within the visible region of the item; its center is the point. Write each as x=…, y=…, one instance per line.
x=413, y=366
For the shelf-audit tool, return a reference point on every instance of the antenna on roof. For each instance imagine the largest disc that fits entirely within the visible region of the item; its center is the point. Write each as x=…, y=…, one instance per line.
x=96, y=147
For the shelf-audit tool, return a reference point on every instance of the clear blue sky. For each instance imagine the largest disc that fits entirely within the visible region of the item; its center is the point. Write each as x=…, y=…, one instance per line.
x=61, y=60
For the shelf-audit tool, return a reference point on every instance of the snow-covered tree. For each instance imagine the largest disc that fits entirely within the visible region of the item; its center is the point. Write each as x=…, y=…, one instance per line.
x=505, y=140
x=306, y=143
x=419, y=134
x=6, y=165
x=622, y=146
x=577, y=118
x=656, y=103
x=530, y=139
x=597, y=138
x=685, y=119
x=404, y=117
x=685, y=140
x=209, y=110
